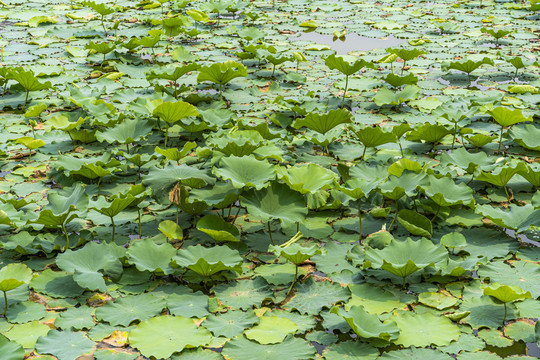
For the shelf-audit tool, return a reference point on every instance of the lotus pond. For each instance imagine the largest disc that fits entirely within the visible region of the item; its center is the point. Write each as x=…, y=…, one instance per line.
x=249, y=180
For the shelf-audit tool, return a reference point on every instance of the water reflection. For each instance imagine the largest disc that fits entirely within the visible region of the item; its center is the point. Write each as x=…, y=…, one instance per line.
x=353, y=42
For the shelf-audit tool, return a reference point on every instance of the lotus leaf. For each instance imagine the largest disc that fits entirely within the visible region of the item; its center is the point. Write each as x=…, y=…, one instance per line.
x=323, y=123
x=146, y=255
x=218, y=229
x=271, y=330
x=425, y=329
x=366, y=325
x=246, y=171
x=209, y=261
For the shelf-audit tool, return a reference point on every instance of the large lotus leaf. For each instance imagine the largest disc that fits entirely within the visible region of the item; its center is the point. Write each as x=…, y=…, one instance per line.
x=406, y=54
x=231, y=323
x=25, y=335
x=437, y=300
x=124, y=310
x=308, y=178
x=532, y=174
x=75, y=319
x=466, y=66
x=209, y=261
x=396, y=187
x=29, y=142
x=146, y=255
x=403, y=258
x=100, y=47
x=171, y=230
x=366, y=325
x=28, y=80
x=506, y=117
x=519, y=218
x=56, y=284
x=350, y=350
x=63, y=205
x=171, y=112
x=101, y=8
x=243, y=294
x=241, y=348
x=238, y=143
x=162, y=180
x=10, y=350
x=486, y=312
x=277, y=201
x=271, y=330
x=113, y=207
x=222, y=73
x=373, y=299
x=295, y=253
x=502, y=174
x=89, y=264
x=415, y=223
x=64, y=345
x=415, y=354
x=218, y=229
x=322, y=123
x=526, y=274
x=188, y=305
x=445, y=192
x=172, y=73
x=162, y=336
x=245, y=171
x=398, y=81
x=386, y=96
x=61, y=122
x=219, y=196
x=425, y=329
x=129, y=131
x=311, y=296
x=465, y=160
x=527, y=136
x=374, y=136
x=506, y=293
x=345, y=67
x=14, y=275
x=431, y=133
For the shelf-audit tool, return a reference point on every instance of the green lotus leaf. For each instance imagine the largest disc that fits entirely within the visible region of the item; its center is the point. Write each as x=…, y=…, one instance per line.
x=373, y=137
x=506, y=117
x=445, y=192
x=124, y=310
x=323, y=123
x=484, y=311
x=466, y=66
x=398, y=81
x=171, y=230
x=198, y=15
x=209, y=261
x=527, y=136
x=62, y=122
x=162, y=336
x=277, y=201
x=174, y=154
x=346, y=68
x=415, y=223
x=465, y=160
x=243, y=294
x=129, y=131
x=56, y=284
x=26, y=335
x=89, y=264
x=30, y=142
x=531, y=174
x=406, y=54
x=386, y=96
x=221, y=73
x=35, y=21
x=114, y=206
x=396, y=187
x=402, y=258
x=308, y=178
x=426, y=329
x=174, y=26
x=499, y=34
x=64, y=345
x=507, y=293
x=295, y=253
x=163, y=180
x=14, y=275
x=502, y=174
x=146, y=255
x=100, y=47
x=63, y=206
x=454, y=240
x=429, y=133
x=523, y=273
x=271, y=330
x=101, y=8
x=231, y=323
x=519, y=218
x=312, y=296
x=75, y=319
x=218, y=229
x=219, y=196
x=366, y=325
x=245, y=171
x=172, y=112
x=28, y=80
x=241, y=348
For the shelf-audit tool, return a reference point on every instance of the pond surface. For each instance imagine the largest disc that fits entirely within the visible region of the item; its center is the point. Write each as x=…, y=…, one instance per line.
x=353, y=42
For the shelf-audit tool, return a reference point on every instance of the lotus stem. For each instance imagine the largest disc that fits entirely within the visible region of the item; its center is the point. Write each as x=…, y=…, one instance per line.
x=67, y=237
x=236, y=215
x=436, y=212
x=360, y=218
x=5, y=304
x=103, y=24
x=395, y=216
x=506, y=192
x=364, y=153
x=220, y=92
x=401, y=148
x=403, y=68
x=404, y=282
x=270, y=233
x=273, y=70
x=294, y=281
x=26, y=98
x=345, y=92
x=127, y=148
x=166, y=135
x=500, y=139
x=140, y=226
x=113, y=228
x=177, y=211
x=504, y=319
x=454, y=137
